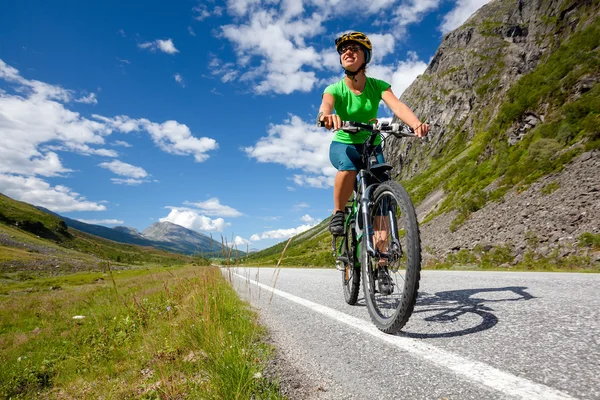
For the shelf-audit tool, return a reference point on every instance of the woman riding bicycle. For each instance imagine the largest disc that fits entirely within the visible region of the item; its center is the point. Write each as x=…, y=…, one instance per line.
x=356, y=97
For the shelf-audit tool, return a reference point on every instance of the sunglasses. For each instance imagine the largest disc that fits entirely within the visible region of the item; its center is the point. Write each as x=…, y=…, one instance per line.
x=352, y=47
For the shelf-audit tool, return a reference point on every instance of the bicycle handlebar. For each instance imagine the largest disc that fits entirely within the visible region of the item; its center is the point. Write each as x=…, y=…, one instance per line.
x=396, y=129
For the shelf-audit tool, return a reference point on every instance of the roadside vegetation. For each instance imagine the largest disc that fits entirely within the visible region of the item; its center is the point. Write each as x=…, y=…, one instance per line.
x=87, y=318
x=160, y=333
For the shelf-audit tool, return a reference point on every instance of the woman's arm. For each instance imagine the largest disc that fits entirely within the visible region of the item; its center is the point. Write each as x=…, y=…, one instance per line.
x=402, y=111
x=326, y=112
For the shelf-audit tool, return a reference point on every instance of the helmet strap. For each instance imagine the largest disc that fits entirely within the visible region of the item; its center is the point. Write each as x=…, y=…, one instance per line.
x=352, y=74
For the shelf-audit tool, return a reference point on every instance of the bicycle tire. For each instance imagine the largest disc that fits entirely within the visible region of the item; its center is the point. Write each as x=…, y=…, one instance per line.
x=351, y=273
x=391, y=311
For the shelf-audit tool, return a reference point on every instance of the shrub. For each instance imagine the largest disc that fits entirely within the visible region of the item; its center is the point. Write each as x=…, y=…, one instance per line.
x=588, y=239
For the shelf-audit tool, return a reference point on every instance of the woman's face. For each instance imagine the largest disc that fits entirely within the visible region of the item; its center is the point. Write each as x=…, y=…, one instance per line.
x=352, y=56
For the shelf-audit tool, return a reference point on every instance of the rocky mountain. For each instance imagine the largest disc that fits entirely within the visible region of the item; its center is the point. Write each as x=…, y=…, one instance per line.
x=466, y=83
x=162, y=235
x=513, y=159
x=118, y=235
x=510, y=170
x=185, y=240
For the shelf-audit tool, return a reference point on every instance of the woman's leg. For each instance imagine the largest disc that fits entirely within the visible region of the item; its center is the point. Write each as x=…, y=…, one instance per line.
x=343, y=157
x=342, y=189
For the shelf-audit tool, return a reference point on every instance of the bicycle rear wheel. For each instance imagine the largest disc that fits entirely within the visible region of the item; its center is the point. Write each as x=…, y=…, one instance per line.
x=391, y=277
x=350, y=274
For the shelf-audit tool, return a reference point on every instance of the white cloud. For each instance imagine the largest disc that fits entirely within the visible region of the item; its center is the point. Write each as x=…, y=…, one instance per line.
x=192, y=220
x=166, y=46
x=83, y=149
x=383, y=44
x=202, y=12
x=179, y=79
x=89, y=99
x=191, y=31
x=308, y=219
x=321, y=182
x=225, y=71
x=279, y=44
x=463, y=10
x=170, y=136
x=214, y=208
x=255, y=237
x=35, y=123
x=297, y=145
x=124, y=169
x=270, y=218
x=240, y=241
x=121, y=143
x=412, y=11
x=282, y=233
x=128, y=181
x=38, y=90
x=330, y=60
x=101, y=221
x=300, y=206
x=402, y=75
x=241, y=7
x=37, y=192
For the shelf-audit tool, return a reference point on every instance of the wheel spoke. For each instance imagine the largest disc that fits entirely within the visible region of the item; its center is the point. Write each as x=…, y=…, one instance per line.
x=394, y=268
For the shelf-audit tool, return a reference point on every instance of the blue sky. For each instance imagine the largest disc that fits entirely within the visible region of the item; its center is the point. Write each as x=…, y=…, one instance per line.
x=196, y=112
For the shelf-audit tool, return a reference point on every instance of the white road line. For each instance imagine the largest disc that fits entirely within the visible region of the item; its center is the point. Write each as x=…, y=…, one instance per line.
x=479, y=372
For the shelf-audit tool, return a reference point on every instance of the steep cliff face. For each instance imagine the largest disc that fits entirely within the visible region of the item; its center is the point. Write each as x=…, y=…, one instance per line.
x=468, y=78
x=514, y=98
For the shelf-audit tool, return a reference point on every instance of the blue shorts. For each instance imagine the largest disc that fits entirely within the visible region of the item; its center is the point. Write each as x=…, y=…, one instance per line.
x=346, y=157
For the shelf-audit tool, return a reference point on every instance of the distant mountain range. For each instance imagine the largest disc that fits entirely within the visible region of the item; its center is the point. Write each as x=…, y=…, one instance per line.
x=162, y=235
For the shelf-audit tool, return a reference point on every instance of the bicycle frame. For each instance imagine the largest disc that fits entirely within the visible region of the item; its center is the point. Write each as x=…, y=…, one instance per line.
x=372, y=172
x=371, y=248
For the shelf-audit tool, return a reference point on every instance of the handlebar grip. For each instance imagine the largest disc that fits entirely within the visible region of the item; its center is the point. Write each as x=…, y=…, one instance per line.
x=321, y=124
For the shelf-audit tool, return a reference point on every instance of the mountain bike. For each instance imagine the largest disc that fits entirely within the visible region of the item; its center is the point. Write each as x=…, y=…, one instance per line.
x=381, y=238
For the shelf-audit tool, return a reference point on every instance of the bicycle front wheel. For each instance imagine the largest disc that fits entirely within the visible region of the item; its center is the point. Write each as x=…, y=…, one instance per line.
x=351, y=273
x=391, y=276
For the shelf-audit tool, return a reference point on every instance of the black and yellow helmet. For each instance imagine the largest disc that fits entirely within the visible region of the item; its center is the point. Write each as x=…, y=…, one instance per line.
x=356, y=37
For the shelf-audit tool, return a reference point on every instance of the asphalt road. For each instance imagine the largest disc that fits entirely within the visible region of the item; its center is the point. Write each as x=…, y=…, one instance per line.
x=473, y=335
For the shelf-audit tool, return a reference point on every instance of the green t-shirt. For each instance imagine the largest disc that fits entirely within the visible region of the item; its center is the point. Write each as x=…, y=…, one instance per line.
x=356, y=107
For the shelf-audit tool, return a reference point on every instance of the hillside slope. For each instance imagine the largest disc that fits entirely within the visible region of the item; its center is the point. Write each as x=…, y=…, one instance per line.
x=34, y=241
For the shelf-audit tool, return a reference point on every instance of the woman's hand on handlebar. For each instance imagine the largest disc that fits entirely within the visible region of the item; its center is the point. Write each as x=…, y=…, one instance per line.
x=421, y=130
x=332, y=121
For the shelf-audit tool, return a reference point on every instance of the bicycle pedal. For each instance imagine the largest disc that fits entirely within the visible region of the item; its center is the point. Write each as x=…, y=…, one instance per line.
x=340, y=266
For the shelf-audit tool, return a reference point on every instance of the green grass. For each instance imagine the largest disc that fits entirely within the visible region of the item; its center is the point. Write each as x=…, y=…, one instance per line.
x=159, y=333
x=589, y=239
x=550, y=188
x=31, y=219
x=500, y=258
x=309, y=249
